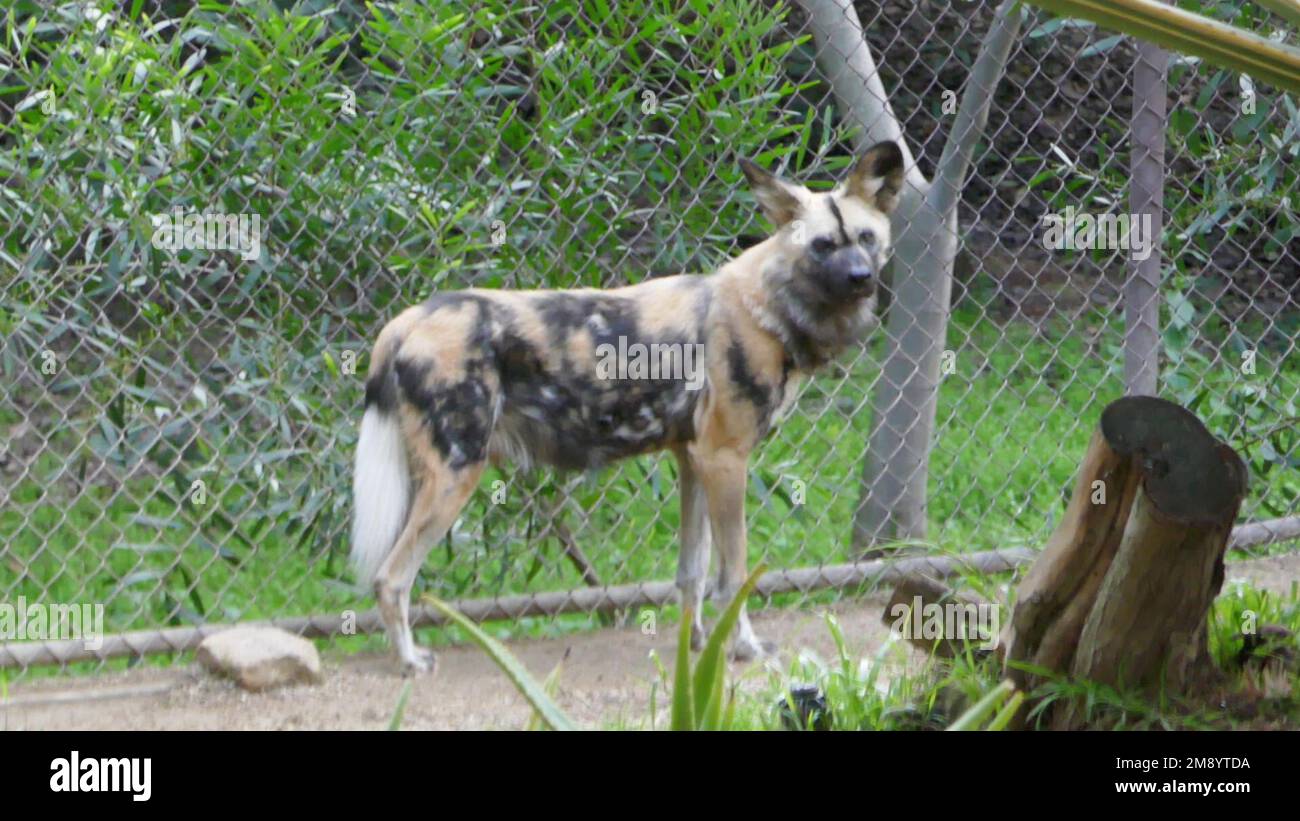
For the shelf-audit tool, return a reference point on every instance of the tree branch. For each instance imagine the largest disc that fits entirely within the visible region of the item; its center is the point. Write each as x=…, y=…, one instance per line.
x=973, y=113
x=847, y=63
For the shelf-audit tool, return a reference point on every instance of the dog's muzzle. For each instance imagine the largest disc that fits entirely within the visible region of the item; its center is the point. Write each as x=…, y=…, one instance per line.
x=862, y=280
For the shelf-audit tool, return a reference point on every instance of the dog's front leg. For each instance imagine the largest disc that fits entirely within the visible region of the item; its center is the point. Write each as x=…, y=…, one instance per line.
x=693, y=560
x=723, y=474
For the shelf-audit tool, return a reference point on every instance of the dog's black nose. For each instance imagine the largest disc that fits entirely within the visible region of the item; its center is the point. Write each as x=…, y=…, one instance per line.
x=859, y=276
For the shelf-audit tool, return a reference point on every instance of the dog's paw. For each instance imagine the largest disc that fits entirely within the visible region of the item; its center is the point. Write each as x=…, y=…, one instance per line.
x=421, y=662
x=698, y=637
x=752, y=649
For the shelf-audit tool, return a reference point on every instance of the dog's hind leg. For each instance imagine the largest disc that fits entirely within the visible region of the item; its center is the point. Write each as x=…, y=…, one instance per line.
x=693, y=560
x=443, y=492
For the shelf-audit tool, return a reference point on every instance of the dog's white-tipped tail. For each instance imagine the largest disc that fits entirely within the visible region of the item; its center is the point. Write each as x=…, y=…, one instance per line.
x=381, y=489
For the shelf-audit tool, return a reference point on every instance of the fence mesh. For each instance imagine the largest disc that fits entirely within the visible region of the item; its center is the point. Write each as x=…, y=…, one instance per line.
x=178, y=422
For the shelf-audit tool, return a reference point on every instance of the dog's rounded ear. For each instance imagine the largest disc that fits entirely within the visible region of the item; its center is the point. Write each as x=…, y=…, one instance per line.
x=877, y=178
x=779, y=199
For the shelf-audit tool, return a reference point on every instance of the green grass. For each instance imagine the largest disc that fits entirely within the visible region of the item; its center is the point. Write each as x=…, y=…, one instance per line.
x=873, y=693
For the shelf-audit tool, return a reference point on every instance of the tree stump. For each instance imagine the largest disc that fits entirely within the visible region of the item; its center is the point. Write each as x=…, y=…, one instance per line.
x=1121, y=592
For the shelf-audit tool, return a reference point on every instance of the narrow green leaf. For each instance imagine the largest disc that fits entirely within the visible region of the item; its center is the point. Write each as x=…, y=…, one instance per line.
x=551, y=686
x=1008, y=710
x=712, y=663
x=971, y=719
x=683, y=704
x=524, y=682
x=395, y=723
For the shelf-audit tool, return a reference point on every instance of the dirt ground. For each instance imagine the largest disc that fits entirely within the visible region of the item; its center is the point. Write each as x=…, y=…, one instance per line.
x=606, y=681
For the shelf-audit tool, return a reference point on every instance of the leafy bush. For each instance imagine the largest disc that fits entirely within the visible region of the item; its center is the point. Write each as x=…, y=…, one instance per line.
x=593, y=140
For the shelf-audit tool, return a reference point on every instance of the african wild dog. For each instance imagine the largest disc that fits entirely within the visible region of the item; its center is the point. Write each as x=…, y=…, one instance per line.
x=478, y=375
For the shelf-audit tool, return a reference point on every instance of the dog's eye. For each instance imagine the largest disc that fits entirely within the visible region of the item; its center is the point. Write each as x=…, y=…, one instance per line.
x=823, y=245
x=867, y=237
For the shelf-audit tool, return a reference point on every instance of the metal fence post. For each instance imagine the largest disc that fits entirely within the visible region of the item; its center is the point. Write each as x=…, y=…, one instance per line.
x=1146, y=200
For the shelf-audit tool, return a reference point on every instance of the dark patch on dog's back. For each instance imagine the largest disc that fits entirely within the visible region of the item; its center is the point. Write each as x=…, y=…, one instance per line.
x=566, y=414
x=560, y=410
x=381, y=391
x=566, y=313
x=517, y=359
x=452, y=299
x=458, y=415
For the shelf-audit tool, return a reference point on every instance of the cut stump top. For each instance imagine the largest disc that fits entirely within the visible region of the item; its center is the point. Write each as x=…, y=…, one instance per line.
x=1188, y=475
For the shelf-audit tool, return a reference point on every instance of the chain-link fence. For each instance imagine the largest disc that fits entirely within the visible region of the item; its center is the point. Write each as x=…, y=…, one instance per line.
x=209, y=211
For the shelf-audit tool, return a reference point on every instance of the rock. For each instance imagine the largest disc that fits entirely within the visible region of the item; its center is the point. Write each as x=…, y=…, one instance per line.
x=260, y=658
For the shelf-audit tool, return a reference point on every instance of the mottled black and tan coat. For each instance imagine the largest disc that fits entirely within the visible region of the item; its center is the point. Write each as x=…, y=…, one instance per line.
x=478, y=376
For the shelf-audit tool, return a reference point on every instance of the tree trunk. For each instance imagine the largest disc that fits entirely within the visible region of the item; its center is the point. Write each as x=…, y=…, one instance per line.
x=1121, y=593
x=896, y=468
x=905, y=399
x=850, y=69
